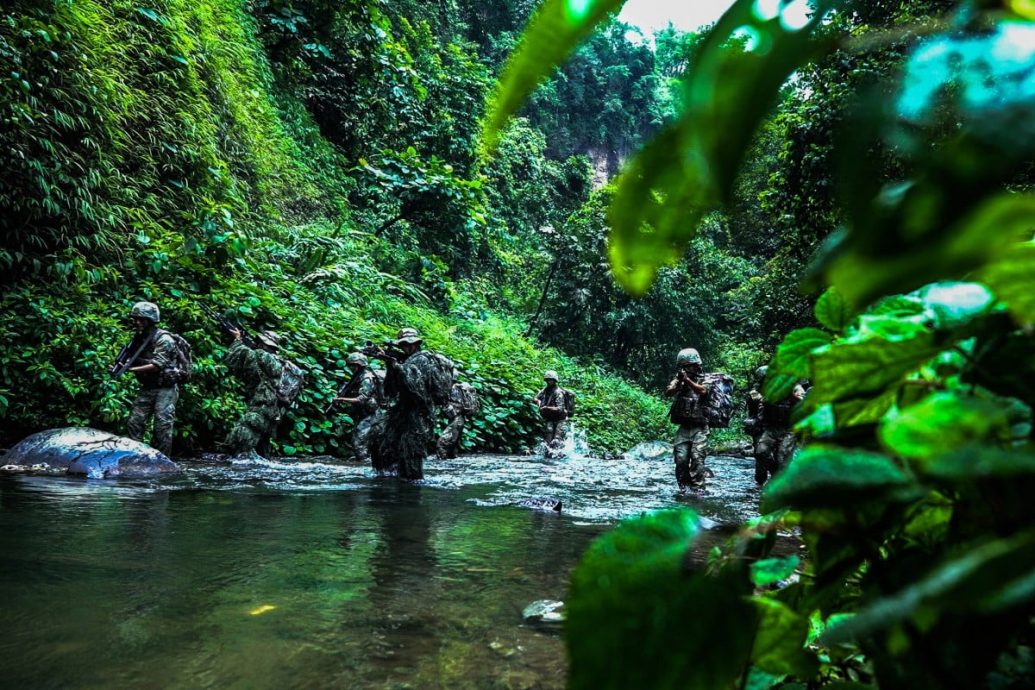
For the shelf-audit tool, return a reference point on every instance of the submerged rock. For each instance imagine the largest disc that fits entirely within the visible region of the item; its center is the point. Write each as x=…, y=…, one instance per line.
x=91, y=453
x=545, y=612
x=542, y=503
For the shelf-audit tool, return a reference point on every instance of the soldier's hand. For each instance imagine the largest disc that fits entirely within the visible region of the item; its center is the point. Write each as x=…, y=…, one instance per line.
x=236, y=333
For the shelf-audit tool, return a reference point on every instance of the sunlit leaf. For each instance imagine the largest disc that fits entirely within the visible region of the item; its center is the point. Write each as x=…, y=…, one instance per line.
x=771, y=570
x=849, y=369
x=554, y=31
x=942, y=422
x=1011, y=277
x=794, y=353
x=834, y=477
x=832, y=310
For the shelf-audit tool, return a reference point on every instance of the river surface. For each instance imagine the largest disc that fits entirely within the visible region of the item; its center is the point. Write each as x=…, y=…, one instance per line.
x=289, y=574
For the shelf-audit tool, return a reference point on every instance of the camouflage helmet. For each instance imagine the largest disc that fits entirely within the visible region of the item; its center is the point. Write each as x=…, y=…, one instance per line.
x=409, y=336
x=357, y=358
x=145, y=310
x=761, y=372
x=551, y=374
x=269, y=338
x=688, y=356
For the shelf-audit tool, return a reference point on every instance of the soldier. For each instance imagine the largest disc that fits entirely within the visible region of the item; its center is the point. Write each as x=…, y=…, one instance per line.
x=157, y=396
x=689, y=391
x=361, y=394
x=554, y=408
x=776, y=444
x=463, y=404
x=260, y=369
x=417, y=382
x=753, y=421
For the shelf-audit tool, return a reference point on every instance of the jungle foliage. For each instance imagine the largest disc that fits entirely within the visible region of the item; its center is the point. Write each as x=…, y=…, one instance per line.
x=912, y=496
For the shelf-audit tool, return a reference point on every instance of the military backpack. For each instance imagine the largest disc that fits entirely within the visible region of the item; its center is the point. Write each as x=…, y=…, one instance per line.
x=183, y=363
x=469, y=403
x=291, y=383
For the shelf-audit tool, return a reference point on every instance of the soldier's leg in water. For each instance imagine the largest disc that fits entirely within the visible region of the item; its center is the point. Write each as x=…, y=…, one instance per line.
x=681, y=454
x=361, y=438
x=784, y=451
x=447, y=441
x=764, y=452
x=142, y=409
x=165, y=418
x=698, y=451
x=247, y=433
x=560, y=434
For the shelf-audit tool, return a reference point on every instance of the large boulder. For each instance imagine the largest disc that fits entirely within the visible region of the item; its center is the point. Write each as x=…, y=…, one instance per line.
x=91, y=453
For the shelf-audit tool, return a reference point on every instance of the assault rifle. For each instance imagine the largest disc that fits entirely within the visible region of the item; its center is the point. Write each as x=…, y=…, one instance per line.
x=228, y=325
x=386, y=350
x=128, y=355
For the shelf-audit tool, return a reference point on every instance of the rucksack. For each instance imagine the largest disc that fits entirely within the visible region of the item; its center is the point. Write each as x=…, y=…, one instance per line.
x=292, y=381
x=379, y=385
x=183, y=364
x=718, y=404
x=439, y=377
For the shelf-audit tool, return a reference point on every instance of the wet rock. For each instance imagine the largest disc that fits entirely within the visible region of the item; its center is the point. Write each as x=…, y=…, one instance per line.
x=543, y=503
x=649, y=450
x=545, y=612
x=91, y=453
x=502, y=650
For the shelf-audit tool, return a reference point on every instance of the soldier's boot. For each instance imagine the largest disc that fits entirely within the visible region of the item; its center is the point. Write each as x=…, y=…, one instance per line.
x=761, y=473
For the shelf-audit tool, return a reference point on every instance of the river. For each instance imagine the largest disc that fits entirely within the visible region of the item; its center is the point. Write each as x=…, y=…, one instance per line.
x=310, y=574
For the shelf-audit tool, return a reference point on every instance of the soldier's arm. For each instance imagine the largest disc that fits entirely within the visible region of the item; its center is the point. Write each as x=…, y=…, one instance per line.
x=238, y=355
x=164, y=355
x=673, y=388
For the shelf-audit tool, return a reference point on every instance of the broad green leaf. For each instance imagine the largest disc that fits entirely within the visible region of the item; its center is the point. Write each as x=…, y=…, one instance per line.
x=974, y=581
x=793, y=354
x=555, y=30
x=982, y=462
x=832, y=310
x=771, y=570
x=826, y=476
x=632, y=596
x=942, y=422
x=953, y=305
x=869, y=366
x=780, y=643
x=1011, y=277
x=980, y=237
x=777, y=385
x=689, y=168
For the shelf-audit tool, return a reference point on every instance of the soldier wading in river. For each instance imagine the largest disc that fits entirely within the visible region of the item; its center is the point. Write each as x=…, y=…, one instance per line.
x=260, y=370
x=416, y=383
x=776, y=444
x=362, y=396
x=689, y=390
x=155, y=369
x=555, y=405
x=463, y=405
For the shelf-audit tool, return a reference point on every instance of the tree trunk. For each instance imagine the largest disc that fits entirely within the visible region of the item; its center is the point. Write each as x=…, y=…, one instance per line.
x=542, y=298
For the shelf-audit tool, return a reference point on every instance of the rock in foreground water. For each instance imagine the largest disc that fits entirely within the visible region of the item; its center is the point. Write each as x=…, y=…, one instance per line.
x=91, y=453
x=545, y=612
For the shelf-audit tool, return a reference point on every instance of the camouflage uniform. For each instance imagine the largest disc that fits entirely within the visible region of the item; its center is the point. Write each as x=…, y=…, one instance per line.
x=449, y=442
x=777, y=443
x=691, y=442
x=154, y=398
x=556, y=430
x=400, y=438
x=363, y=387
x=260, y=370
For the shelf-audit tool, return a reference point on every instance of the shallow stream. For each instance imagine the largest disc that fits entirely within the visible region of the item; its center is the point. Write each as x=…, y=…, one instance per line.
x=308, y=574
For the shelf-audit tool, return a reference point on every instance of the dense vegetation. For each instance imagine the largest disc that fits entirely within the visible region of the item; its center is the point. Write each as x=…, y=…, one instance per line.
x=907, y=126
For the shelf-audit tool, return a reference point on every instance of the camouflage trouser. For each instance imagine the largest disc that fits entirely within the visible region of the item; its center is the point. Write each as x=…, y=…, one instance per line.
x=449, y=442
x=361, y=438
x=255, y=425
x=689, y=451
x=555, y=433
x=772, y=453
x=161, y=403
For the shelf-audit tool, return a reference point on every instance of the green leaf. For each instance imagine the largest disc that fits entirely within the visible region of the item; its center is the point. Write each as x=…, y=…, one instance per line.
x=689, y=168
x=554, y=31
x=851, y=369
x=780, y=643
x=1011, y=278
x=771, y=570
x=632, y=596
x=975, y=463
x=953, y=305
x=793, y=354
x=832, y=310
x=825, y=476
x=942, y=422
x=975, y=581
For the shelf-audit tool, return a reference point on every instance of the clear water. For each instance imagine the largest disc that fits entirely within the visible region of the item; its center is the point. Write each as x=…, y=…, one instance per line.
x=311, y=574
